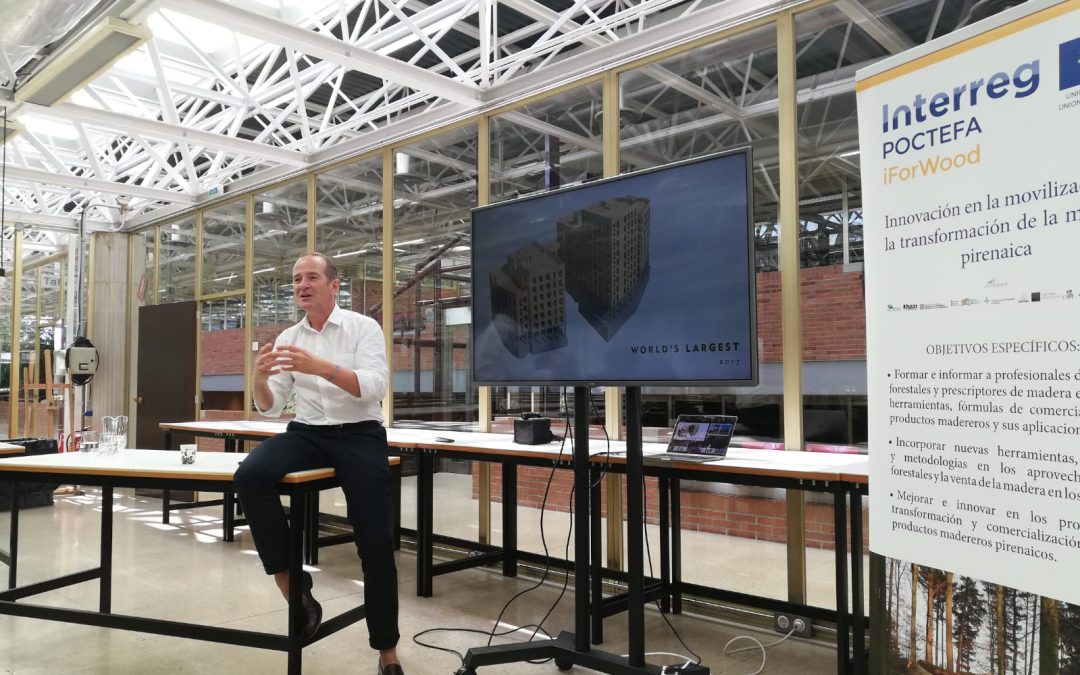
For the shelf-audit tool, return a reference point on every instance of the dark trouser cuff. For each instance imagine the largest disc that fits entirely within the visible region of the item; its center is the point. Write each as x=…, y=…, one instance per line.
x=380, y=644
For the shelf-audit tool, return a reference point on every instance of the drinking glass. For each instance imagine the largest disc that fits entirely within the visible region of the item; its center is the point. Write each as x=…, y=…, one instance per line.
x=90, y=442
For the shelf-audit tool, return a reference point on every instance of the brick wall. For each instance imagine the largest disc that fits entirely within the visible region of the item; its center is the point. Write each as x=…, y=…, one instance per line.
x=833, y=315
x=223, y=350
x=760, y=518
x=833, y=325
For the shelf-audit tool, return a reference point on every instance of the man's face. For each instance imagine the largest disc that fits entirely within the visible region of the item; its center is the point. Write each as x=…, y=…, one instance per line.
x=313, y=292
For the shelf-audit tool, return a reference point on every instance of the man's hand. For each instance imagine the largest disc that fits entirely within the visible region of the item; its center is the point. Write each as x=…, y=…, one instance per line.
x=265, y=363
x=292, y=359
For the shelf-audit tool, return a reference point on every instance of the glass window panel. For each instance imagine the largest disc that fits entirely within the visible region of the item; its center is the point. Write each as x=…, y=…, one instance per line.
x=551, y=143
x=544, y=145
x=52, y=285
x=176, y=275
x=435, y=188
x=143, y=243
x=833, y=349
x=348, y=228
x=224, y=233
x=280, y=237
x=40, y=408
x=26, y=356
x=6, y=352
x=707, y=100
x=222, y=357
x=830, y=48
x=715, y=98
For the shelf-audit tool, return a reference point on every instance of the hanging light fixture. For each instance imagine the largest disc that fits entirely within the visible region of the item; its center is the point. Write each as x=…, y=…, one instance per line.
x=82, y=61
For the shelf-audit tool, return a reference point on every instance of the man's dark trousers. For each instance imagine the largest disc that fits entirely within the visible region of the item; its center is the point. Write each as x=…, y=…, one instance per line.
x=358, y=453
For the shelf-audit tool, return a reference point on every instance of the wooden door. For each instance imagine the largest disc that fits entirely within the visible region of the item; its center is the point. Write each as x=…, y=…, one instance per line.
x=168, y=337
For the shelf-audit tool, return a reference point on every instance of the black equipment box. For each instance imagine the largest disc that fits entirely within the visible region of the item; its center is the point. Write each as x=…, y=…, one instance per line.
x=532, y=430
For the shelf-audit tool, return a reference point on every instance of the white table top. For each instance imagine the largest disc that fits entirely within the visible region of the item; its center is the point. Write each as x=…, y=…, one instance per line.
x=258, y=427
x=144, y=464
x=803, y=465
x=11, y=449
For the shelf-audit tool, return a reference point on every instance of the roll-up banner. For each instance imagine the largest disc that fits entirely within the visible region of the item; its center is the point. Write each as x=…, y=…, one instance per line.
x=970, y=154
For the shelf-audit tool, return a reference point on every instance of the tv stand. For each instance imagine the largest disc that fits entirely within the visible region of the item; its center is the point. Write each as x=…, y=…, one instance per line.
x=570, y=649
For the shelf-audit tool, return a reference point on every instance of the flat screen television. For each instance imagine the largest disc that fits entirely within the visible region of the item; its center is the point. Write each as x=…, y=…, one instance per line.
x=646, y=278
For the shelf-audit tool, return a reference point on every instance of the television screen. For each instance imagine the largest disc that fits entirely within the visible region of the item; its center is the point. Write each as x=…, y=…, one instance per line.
x=646, y=278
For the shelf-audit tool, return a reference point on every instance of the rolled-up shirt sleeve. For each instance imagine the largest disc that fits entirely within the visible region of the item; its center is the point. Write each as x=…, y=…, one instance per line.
x=371, y=370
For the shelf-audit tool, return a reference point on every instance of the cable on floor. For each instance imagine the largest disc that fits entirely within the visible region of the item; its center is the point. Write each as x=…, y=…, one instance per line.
x=758, y=645
x=568, y=433
x=492, y=634
x=461, y=657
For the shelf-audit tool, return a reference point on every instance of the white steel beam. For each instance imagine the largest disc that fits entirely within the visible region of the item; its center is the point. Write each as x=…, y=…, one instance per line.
x=301, y=99
x=17, y=173
x=438, y=116
x=169, y=112
x=547, y=46
x=668, y=34
x=130, y=123
x=14, y=217
x=329, y=48
x=35, y=187
x=881, y=29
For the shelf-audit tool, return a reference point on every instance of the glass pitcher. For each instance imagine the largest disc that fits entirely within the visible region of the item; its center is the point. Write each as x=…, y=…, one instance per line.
x=114, y=433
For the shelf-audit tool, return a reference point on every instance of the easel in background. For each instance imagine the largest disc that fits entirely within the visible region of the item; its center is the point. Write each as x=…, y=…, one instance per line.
x=41, y=415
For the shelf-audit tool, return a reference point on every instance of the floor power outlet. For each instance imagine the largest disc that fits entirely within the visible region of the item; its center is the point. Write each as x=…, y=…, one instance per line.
x=784, y=623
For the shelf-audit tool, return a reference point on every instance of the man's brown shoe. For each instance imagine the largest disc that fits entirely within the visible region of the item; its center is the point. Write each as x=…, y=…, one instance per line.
x=311, y=609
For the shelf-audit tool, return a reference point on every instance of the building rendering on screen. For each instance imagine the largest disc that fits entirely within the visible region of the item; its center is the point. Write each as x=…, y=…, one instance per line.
x=528, y=299
x=600, y=257
x=605, y=248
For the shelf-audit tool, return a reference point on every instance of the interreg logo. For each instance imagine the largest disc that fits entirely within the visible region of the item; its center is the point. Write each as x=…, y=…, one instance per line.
x=963, y=97
x=1069, y=72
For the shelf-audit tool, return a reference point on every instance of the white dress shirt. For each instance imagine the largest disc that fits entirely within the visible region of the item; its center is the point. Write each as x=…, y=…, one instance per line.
x=349, y=340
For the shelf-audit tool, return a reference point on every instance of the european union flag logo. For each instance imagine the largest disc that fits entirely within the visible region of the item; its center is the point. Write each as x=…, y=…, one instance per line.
x=1070, y=64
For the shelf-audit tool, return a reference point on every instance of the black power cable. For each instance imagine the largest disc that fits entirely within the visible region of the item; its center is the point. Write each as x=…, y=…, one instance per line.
x=648, y=551
x=493, y=633
x=568, y=433
x=539, y=627
x=607, y=441
x=648, y=554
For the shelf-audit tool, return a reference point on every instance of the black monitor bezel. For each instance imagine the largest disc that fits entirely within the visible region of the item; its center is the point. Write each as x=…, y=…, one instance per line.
x=751, y=381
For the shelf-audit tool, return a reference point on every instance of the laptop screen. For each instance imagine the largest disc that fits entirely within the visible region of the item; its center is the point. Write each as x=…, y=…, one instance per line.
x=702, y=434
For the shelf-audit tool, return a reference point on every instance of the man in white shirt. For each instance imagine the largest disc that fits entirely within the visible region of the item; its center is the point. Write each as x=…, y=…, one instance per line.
x=334, y=361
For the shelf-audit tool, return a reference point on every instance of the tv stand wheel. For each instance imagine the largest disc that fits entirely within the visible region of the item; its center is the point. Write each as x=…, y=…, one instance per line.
x=563, y=664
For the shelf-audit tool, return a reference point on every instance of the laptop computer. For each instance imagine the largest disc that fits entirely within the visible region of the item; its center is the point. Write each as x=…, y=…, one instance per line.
x=697, y=438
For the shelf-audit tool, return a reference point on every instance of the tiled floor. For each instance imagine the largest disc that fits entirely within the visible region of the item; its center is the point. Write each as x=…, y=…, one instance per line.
x=185, y=572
